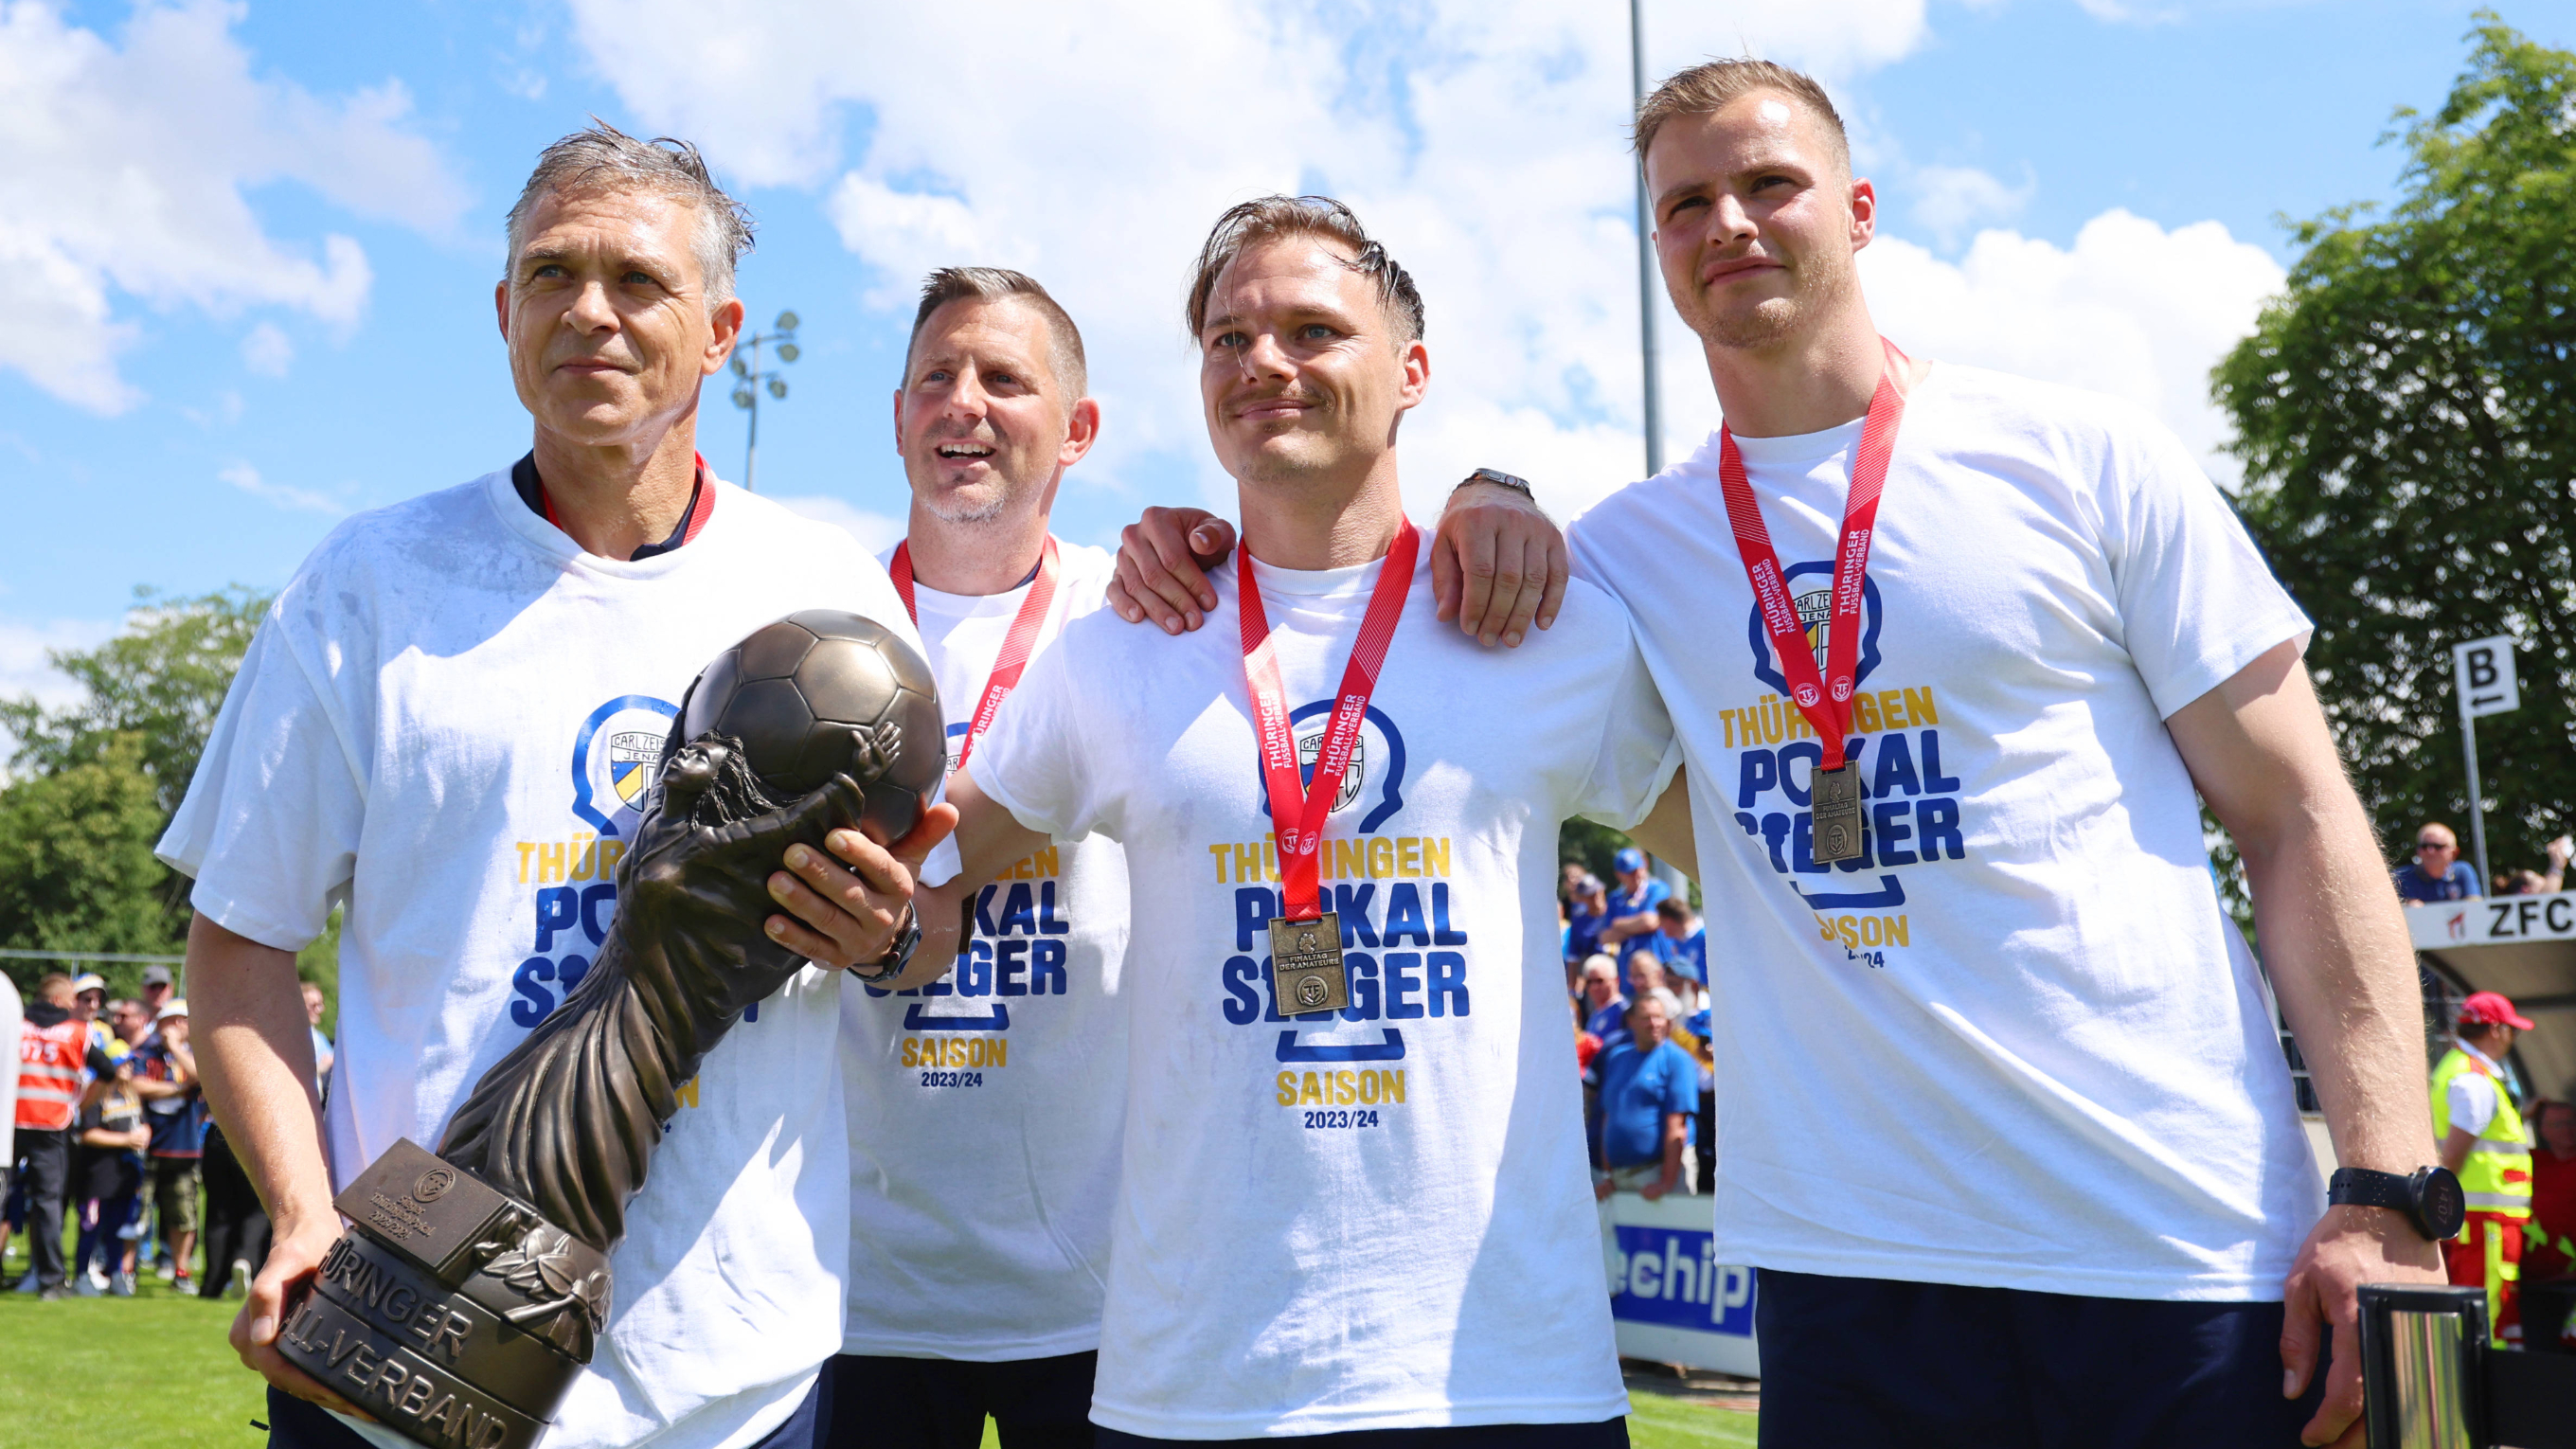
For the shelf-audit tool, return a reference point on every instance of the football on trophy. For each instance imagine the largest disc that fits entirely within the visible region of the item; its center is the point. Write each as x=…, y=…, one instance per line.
x=799, y=693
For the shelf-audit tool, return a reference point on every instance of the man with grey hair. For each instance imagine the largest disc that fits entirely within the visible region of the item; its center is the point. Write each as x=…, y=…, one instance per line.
x=397, y=742
x=985, y=1106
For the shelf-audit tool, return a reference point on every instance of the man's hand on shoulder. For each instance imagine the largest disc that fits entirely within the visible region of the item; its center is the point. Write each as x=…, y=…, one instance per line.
x=1498, y=565
x=1163, y=562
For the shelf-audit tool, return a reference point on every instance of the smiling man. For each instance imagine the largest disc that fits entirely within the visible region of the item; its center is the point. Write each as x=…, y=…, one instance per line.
x=1955, y=657
x=1353, y=1192
x=985, y=1106
x=447, y=725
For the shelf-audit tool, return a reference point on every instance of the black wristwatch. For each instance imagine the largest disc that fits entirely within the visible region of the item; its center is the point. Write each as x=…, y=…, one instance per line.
x=1500, y=479
x=898, y=955
x=2430, y=1197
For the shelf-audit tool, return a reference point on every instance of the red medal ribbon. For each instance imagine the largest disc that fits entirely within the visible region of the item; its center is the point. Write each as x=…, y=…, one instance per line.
x=1016, y=645
x=1825, y=701
x=1298, y=813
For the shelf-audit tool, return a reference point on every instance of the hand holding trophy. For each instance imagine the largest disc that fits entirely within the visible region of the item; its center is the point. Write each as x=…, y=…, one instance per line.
x=466, y=1296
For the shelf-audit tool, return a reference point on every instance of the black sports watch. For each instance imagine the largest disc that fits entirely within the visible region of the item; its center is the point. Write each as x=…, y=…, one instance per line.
x=2430, y=1197
x=1499, y=479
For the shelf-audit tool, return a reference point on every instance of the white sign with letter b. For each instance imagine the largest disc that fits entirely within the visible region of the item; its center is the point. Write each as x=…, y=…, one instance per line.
x=2484, y=671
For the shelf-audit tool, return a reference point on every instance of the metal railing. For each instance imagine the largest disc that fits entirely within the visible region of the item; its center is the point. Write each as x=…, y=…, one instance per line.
x=2429, y=1381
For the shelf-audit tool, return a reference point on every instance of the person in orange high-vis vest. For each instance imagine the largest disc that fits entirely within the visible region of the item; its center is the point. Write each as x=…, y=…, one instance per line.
x=51, y=1047
x=2481, y=1137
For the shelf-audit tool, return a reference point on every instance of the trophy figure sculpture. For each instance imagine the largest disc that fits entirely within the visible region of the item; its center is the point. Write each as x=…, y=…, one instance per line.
x=465, y=1296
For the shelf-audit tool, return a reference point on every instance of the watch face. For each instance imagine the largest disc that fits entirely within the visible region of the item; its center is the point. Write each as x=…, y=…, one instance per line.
x=2440, y=1203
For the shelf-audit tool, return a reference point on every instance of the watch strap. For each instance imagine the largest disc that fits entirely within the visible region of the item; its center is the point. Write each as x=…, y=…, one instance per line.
x=1499, y=479
x=2363, y=1187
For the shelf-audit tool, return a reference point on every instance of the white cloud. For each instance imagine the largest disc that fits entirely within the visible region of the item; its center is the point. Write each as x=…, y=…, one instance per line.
x=25, y=669
x=875, y=531
x=1485, y=143
x=2131, y=309
x=1952, y=201
x=246, y=478
x=128, y=163
x=266, y=351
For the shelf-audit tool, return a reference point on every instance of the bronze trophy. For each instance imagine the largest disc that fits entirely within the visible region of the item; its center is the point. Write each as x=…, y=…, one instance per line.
x=464, y=1298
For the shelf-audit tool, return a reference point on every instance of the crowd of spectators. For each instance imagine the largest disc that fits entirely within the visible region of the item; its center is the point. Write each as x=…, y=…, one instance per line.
x=114, y=1141
x=1636, y=959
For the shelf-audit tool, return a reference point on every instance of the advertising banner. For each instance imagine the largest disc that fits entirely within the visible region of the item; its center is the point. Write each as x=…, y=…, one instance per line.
x=1670, y=1300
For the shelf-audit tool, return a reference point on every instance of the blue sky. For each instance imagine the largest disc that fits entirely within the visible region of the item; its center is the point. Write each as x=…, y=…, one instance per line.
x=254, y=244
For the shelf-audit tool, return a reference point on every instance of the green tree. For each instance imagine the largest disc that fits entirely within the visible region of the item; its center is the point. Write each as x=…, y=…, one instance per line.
x=93, y=784
x=76, y=866
x=2406, y=414
x=163, y=679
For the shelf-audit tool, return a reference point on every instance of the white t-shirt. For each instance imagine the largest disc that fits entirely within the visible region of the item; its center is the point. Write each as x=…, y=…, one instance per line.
x=2047, y=1059
x=1376, y=1221
x=447, y=721
x=984, y=1109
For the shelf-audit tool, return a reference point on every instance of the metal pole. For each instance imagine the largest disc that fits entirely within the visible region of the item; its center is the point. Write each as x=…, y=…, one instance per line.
x=1646, y=270
x=751, y=441
x=2477, y=800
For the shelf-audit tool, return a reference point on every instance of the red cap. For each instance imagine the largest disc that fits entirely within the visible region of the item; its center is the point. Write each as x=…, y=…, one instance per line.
x=2488, y=1008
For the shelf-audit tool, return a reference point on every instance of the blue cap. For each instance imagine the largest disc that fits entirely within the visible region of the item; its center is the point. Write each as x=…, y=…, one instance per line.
x=1629, y=859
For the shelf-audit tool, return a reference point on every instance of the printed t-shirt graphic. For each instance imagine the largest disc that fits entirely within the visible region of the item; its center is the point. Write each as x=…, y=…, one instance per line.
x=984, y=1108
x=440, y=724
x=2055, y=1068
x=1375, y=1217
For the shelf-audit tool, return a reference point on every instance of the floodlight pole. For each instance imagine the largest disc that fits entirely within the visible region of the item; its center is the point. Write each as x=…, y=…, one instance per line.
x=1647, y=276
x=1646, y=270
x=750, y=378
x=751, y=434
x=2477, y=797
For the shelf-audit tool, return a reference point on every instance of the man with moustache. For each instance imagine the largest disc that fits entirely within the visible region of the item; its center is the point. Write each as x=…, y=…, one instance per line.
x=984, y=1106
x=1946, y=761
x=397, y=741
x=1351, y=1182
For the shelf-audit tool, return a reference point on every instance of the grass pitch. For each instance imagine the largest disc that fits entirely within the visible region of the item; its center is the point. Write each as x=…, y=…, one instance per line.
x=154, y=1372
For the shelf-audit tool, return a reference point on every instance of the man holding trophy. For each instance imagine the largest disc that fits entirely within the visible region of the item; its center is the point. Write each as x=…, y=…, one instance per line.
x=468, y=723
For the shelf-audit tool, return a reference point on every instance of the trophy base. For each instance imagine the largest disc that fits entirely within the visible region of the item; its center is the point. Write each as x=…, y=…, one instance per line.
x=452, y=1312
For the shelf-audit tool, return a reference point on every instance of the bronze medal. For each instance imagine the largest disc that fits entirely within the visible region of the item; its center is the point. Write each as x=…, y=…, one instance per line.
x=1837, y=807
x=1306, y=964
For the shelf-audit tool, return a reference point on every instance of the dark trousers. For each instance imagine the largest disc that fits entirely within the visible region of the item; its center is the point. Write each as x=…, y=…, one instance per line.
x=939, y=1403
x=1607, y=1434
x=99, y=1242
x=236, y=1225
x=295, y=1424
x=45, y=1178
x=1868, y=1362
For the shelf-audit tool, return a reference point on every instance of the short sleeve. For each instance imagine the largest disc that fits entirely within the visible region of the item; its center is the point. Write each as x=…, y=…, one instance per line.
x=270, y=825
x=1029, y=760
x=2472, y=1102
x=1639, y=750
x=2197, y=601
x=1681, y=1081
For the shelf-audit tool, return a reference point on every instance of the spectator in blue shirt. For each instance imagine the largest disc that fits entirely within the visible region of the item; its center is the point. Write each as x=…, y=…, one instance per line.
x=1632, y=905
x=1602, y=1009
x=1642, y=1114
x=1679, y=941
x=2437, y=872
x=1587, y=910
